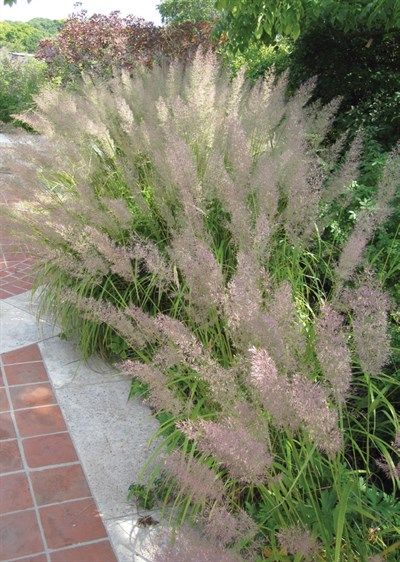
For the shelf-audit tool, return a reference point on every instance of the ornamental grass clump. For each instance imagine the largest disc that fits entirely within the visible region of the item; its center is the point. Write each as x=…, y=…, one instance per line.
x=181, y=221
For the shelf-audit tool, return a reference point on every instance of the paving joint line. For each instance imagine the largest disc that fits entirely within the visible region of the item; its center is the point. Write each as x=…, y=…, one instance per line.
x=45, y=505
x=41, y=468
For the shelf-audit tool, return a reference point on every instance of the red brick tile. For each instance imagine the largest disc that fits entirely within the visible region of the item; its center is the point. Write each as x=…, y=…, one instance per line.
x=19, y=268
x=5, y=294
x=32, y=395
x=22, y=355
x=4, y=405
x=14, y=493
x=19, y=535
x=5, y=238
x=59, y=484
x=99, y=552
x=71, y=523
x=14, y=255
x=49, y=449
x=11, y=288
x=24, y=285
x=11, y=279
x=18, y=274
x=1, y=380
x=14, y=268
x=7, y=430
x=20, y=291
x=13, y=265
x=16, y=283
x=25, y=373
x=10, y=458
x=16, y=291
x=38, y=421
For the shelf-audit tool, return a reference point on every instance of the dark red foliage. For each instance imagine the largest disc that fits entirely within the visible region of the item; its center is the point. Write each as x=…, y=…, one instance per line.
x=99, y=43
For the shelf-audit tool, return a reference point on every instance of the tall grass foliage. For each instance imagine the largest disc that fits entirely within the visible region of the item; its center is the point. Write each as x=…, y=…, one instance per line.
x=183, y=221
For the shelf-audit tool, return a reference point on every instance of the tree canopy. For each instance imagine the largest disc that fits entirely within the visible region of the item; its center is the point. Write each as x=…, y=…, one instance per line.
x=262, y=20
x=179, y=11
x=19, y=36
x=26, y=36
x=47, y=26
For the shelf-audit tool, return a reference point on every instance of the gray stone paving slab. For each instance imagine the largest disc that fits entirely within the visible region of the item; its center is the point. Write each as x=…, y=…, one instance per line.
x=111, y=435
x=67, y=369
x=58, y=353
x=24, y=301
x=19, y=328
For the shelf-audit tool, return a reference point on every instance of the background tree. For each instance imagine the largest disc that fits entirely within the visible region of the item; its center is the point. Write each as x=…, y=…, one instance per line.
x=26, y=36
x=19, y=36
x=178, y=11
x=47, y=26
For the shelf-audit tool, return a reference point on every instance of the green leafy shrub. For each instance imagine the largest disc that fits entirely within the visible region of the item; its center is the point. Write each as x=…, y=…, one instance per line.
x=20, y=81
x=352, y=49
x=362, y=68
x=258, y=59
x=190, y=217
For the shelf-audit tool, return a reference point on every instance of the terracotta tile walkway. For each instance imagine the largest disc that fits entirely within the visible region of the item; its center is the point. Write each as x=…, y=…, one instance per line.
x=47, y=513
x=15, y=264
x=15, y=271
